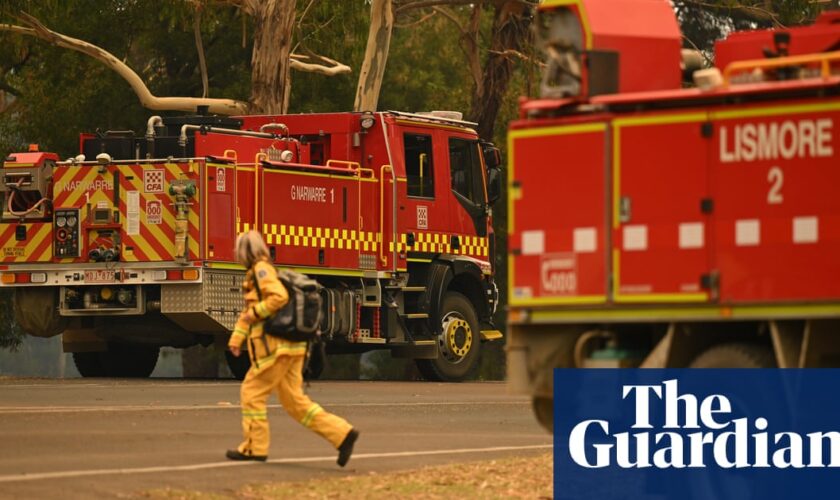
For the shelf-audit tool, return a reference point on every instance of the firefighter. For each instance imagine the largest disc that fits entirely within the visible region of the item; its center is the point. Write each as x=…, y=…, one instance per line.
x=276, y=364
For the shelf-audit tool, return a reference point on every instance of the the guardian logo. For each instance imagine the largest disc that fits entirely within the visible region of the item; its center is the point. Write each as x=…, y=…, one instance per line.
x=695, y=433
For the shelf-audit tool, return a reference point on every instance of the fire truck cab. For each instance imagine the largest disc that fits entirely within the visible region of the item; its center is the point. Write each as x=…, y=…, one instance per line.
x=657, y=224
x=128, y=246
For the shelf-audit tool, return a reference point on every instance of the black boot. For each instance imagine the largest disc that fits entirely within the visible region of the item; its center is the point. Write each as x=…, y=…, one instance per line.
x=235, y=455
x=346, y=448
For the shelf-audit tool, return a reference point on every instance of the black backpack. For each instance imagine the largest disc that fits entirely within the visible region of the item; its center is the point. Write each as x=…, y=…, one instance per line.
x=300, y=319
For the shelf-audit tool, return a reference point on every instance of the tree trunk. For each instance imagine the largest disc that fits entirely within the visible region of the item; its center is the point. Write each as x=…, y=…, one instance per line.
x=376, y=55
x=511, y=31
x=273, y=29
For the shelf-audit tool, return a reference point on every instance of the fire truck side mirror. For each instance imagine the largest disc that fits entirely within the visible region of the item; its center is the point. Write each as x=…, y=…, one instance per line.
x=494, y=185
x=493, y=162
x=492, y=155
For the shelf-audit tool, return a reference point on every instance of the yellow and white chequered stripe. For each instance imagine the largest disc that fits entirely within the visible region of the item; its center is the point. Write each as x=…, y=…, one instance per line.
x=442, y=243
x=474, y=245
x=317, y=237
x=366, y=241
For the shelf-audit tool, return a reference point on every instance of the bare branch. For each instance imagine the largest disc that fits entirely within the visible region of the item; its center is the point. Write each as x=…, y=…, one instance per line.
x=305, y=11
x=709, y=62
x=300, y=62
x=518, y=55
x=199, y=47
x=754, y=11
x=147, y=99
x=246, y=6
x=451, y=16
x=417, y=22
x=468, y=38
x=420, y=4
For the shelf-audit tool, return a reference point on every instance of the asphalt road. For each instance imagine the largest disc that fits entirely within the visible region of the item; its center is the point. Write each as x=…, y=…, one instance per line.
x=119, y=438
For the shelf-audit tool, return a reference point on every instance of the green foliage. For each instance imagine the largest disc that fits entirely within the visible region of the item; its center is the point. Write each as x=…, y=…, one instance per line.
x=10, y=333
x=60, y=93
x=703, y=22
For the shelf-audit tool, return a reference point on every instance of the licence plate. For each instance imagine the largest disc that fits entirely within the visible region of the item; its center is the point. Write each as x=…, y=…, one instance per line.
x=99, y=276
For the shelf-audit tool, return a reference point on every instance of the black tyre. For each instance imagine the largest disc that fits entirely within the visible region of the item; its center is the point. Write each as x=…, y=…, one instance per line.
x=239, y=366
x=544, y=411
x=120, y=360
x=729, y=486
x=459, y=342
x=735, y=355
x=88, y=364
x=130, y=360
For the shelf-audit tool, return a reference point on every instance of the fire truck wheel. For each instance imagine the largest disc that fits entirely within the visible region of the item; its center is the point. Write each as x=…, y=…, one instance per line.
x=458, y=343
x=120, y=360
x=735, y=355
x=315, y=366
x=129, y=360
x=88, y=364
x=238, y=366
x=544, y=411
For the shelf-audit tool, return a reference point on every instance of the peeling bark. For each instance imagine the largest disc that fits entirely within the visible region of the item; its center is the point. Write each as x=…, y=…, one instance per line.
x=273, y=28
x=376, y=56
x=511, y=32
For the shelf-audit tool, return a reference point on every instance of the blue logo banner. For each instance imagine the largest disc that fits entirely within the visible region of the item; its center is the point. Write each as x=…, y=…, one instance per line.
x=696, y=434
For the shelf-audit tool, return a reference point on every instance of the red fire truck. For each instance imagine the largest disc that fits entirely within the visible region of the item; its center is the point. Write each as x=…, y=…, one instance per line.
x=128, y=246
x=656, y=225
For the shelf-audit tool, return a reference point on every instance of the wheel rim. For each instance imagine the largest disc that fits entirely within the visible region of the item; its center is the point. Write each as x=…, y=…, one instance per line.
x=456, y=338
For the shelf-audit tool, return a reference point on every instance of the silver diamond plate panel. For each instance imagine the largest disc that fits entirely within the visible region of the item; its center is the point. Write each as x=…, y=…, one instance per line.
x=181, y=298
x=219, y=297
x=223, y=296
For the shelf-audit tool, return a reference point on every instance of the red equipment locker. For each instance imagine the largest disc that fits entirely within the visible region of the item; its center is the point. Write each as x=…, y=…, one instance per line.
x=777, y=211
x=221, y=211
x=661, y=233
x=557, y=215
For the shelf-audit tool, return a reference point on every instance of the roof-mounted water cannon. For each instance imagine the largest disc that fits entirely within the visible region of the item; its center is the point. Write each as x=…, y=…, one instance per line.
x=595, y=47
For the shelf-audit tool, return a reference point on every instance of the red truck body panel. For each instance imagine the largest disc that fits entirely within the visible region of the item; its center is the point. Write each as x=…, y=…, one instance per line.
x=724, y=204
x=340, y=203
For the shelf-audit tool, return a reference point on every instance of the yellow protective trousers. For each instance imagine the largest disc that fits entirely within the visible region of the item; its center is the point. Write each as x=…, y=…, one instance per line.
x=286, y=378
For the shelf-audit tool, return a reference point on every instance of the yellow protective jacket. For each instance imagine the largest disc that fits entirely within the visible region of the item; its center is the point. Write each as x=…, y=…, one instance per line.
x=263, y=349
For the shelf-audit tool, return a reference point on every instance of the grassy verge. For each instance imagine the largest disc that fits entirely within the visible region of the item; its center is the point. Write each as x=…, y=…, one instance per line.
x=529, y=477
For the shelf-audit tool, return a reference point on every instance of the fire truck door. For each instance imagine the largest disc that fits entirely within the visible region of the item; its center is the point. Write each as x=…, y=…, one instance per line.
x=221, y=210
x=661, y=230
x=469, y=204
x=426, y=209
x=557, y=215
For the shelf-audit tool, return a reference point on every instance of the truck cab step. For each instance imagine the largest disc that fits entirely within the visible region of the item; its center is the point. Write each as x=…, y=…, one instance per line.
x=414, y=315
x=406, y=288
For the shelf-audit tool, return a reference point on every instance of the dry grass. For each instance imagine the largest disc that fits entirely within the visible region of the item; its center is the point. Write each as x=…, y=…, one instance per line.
x=529, y=477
